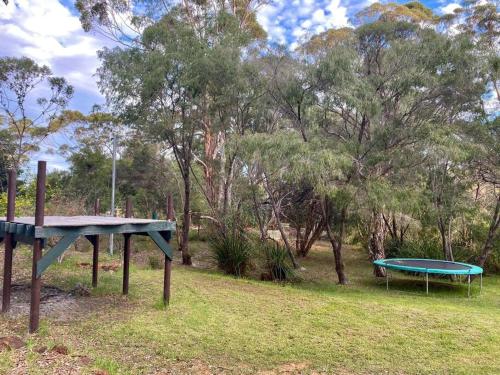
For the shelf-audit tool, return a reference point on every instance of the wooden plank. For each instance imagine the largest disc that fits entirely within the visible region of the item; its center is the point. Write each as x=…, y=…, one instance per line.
x=162, y=244
x=44, y=232
x=81, y=221
x=55, y=252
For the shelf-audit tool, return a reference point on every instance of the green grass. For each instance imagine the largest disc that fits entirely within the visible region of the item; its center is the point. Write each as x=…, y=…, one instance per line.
x=219, y=323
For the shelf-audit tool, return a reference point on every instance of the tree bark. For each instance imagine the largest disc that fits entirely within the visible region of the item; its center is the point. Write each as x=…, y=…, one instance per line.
x=278, y=221
x=376, y=242
x=336, y=242
x=492, y=232
x=445, y=240
x=186, y=223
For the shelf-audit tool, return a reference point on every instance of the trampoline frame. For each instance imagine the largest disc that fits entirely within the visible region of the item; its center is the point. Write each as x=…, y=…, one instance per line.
x=472, y=270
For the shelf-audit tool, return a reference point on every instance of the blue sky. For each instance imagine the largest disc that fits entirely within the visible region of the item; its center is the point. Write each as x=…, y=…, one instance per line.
x=49, y=32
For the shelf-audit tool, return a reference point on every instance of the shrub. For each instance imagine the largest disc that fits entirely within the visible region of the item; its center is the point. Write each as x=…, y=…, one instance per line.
x=414, y=248
x=430, y=248
x=277, y=262
x=154, y=262
x=233, y=253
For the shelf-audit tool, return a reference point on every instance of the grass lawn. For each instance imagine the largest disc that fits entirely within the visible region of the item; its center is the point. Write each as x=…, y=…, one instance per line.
x=219, y=324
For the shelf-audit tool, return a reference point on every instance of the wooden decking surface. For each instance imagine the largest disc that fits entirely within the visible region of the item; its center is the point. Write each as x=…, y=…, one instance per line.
x=82, y=221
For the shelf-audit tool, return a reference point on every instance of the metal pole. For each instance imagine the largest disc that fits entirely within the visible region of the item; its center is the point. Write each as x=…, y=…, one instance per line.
x=9, y=241
x=36, y=282
x=481, y=283
x=426, y=283
x=387, y=279
x=113, y=187
x=468, y=287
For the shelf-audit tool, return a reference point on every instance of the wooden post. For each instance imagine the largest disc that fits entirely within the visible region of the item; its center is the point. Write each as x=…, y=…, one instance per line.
x=126, y=249
x=168, y=263
x=36, y=282
x=95, y=243
x=9, y=241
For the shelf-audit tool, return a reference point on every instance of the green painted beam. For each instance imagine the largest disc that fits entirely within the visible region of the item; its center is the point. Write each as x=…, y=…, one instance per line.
x=55, y=252
x=45, y=232
x=162, y=244
x=26, y=240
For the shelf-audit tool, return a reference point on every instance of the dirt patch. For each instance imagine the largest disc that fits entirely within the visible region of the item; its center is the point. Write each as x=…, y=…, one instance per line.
x=111, y=267
x=11, y=343
x=55, y=303
x=195, y=366
x=49, y=362
x=287, y=369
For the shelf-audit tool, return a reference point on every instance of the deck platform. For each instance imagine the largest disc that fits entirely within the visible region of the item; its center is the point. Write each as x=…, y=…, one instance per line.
x=36, y=230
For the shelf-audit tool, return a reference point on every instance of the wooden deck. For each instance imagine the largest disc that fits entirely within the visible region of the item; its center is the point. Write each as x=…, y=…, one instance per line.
x=36, y=230
x=81, y=221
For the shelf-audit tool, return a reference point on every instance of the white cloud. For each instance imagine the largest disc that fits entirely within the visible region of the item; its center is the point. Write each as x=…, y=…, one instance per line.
x=450, y=8
x=47, y=32
x=289, y=22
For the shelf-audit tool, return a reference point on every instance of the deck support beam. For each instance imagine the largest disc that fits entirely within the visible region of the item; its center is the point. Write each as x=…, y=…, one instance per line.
x=9, y=242
x=167, y=271
x=95, y=245
x=36, y=281
x=126, y=250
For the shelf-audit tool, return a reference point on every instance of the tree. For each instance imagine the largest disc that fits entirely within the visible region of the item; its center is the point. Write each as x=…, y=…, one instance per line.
x=7, y=148
x=26, y=117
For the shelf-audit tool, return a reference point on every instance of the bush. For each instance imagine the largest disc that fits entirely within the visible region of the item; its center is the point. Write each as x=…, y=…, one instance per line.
x=428, y=248
x=277, y=262
x=232, y=253
x=194, y=235
x=154, y=262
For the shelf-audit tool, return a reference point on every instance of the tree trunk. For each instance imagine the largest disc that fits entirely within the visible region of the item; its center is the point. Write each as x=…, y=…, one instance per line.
x=445, y=240
x=308, y=241
x=260, y=220
x=376, y=242
x=490, y=239
x=336, y=242
x=276, y=211
x=184, y=245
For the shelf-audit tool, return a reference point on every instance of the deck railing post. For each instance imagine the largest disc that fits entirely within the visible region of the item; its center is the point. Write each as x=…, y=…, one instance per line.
x=95, y=243
x=9, y=241
x=168, y=263
x=126, y=249
x=36, y=282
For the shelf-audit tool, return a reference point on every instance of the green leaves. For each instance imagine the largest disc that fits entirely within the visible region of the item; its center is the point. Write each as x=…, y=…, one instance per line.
x=20, y=80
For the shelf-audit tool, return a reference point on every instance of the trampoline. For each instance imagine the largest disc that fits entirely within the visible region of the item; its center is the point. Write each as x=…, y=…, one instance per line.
x=431, y=266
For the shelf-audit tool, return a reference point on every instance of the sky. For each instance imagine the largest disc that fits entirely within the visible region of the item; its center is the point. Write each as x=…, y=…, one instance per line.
x=49, y=32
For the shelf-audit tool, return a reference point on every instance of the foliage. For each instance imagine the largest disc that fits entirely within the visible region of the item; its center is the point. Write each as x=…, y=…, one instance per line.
x=277, y=262
x=29, y=119
x=233, y=253
x=154, y=262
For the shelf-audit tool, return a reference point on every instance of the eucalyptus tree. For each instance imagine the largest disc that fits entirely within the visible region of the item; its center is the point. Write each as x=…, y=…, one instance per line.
x=7, y=148
x=173, y=85
x=276, y=157
x=479, y=22
x=31, y=98
x=385, y=93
